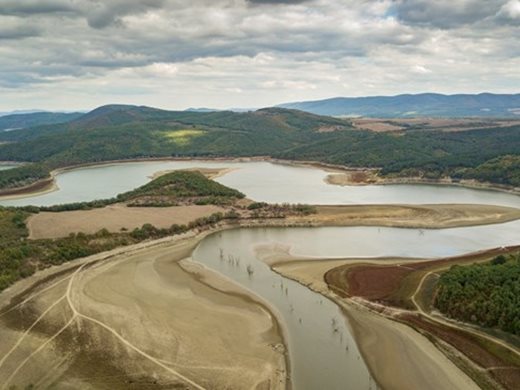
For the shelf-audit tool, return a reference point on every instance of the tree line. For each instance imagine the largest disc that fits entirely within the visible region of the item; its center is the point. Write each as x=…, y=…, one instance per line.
x=484, y=294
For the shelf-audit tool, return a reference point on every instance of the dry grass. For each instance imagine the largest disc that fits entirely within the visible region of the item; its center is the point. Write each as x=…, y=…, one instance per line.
x=444, y=124
x=183, y=137
x=113, y=218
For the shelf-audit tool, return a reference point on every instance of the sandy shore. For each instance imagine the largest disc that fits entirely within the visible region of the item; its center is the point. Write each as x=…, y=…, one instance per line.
x=436, y=216
x=40, y=187
x=365, y=176
x=397, y=356
x=146, y=318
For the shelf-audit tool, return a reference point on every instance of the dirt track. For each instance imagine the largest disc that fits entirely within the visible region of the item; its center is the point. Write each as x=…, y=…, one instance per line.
x=137, y=320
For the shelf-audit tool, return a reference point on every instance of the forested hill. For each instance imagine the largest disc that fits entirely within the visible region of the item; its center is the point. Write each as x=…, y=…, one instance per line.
x=128, y=132
x=421, y=105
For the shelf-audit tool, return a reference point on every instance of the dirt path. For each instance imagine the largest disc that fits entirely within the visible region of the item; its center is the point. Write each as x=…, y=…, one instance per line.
x=451, y=324
x=147, y=318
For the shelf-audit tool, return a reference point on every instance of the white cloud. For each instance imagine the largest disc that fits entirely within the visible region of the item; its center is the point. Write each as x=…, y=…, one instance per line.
x=511, y=10
x=230, y=53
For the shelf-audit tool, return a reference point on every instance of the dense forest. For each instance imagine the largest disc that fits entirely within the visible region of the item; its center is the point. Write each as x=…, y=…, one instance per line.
x=485, y=294
x=128, y=132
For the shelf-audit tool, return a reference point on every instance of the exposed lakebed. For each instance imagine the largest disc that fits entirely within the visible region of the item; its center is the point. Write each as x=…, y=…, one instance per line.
x=322, y=351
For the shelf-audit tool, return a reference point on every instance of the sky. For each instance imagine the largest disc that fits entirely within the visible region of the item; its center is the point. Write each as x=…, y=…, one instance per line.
x=175, y=54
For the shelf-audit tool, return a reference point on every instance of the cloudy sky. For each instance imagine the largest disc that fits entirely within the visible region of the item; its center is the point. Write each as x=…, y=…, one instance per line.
x=79, y=54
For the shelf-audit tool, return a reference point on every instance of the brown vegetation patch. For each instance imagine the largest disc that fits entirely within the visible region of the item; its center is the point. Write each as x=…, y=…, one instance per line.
x=360, y=280
x=383, y=283
x=442, y=124
x=330, y=129
x=377, y=125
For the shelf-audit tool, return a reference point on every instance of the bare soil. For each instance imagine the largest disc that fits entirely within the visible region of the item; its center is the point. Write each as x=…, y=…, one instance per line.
x=114, y=218
x=420, y=216
x=135, y=320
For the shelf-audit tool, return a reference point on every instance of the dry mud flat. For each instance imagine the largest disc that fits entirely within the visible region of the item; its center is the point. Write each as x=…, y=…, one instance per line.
x=420, y=216
x=118, y=216
x=137, y=320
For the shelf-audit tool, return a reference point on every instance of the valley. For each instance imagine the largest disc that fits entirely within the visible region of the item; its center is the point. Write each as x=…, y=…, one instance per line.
x=240, y=282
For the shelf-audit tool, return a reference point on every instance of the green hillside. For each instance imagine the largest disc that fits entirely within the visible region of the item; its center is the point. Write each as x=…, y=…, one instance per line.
x=121, y=132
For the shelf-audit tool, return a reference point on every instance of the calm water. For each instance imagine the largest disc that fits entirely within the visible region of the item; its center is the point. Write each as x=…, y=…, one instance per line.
x=323, y=353
x=261, y=181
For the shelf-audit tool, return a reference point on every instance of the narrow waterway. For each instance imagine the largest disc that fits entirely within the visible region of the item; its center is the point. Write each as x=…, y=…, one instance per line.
x=323, y=353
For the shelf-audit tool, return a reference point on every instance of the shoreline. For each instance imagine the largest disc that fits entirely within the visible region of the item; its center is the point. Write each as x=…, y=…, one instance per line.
x=10, y=297
x=196, y=237
x=49, y=184
x=361, y=311
x=420, y=217
x=370, y=329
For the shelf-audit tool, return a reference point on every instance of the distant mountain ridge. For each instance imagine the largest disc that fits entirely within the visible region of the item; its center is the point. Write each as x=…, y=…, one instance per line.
x=409, y=105
x=25, y=120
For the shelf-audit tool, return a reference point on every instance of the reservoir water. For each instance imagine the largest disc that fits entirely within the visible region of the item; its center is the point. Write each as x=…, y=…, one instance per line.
x=323, y=353
x=260, y=181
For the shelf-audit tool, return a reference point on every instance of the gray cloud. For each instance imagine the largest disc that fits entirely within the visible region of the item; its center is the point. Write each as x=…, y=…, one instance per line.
x=446, y=13
x=278, y=1
x=250, y=52
x=14, y=29
x=98, y=13
x=101, y=14
x=31, y=7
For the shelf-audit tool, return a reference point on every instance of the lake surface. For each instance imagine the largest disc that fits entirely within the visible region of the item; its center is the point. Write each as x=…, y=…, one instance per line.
x=260, y=181
x=323, y=353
